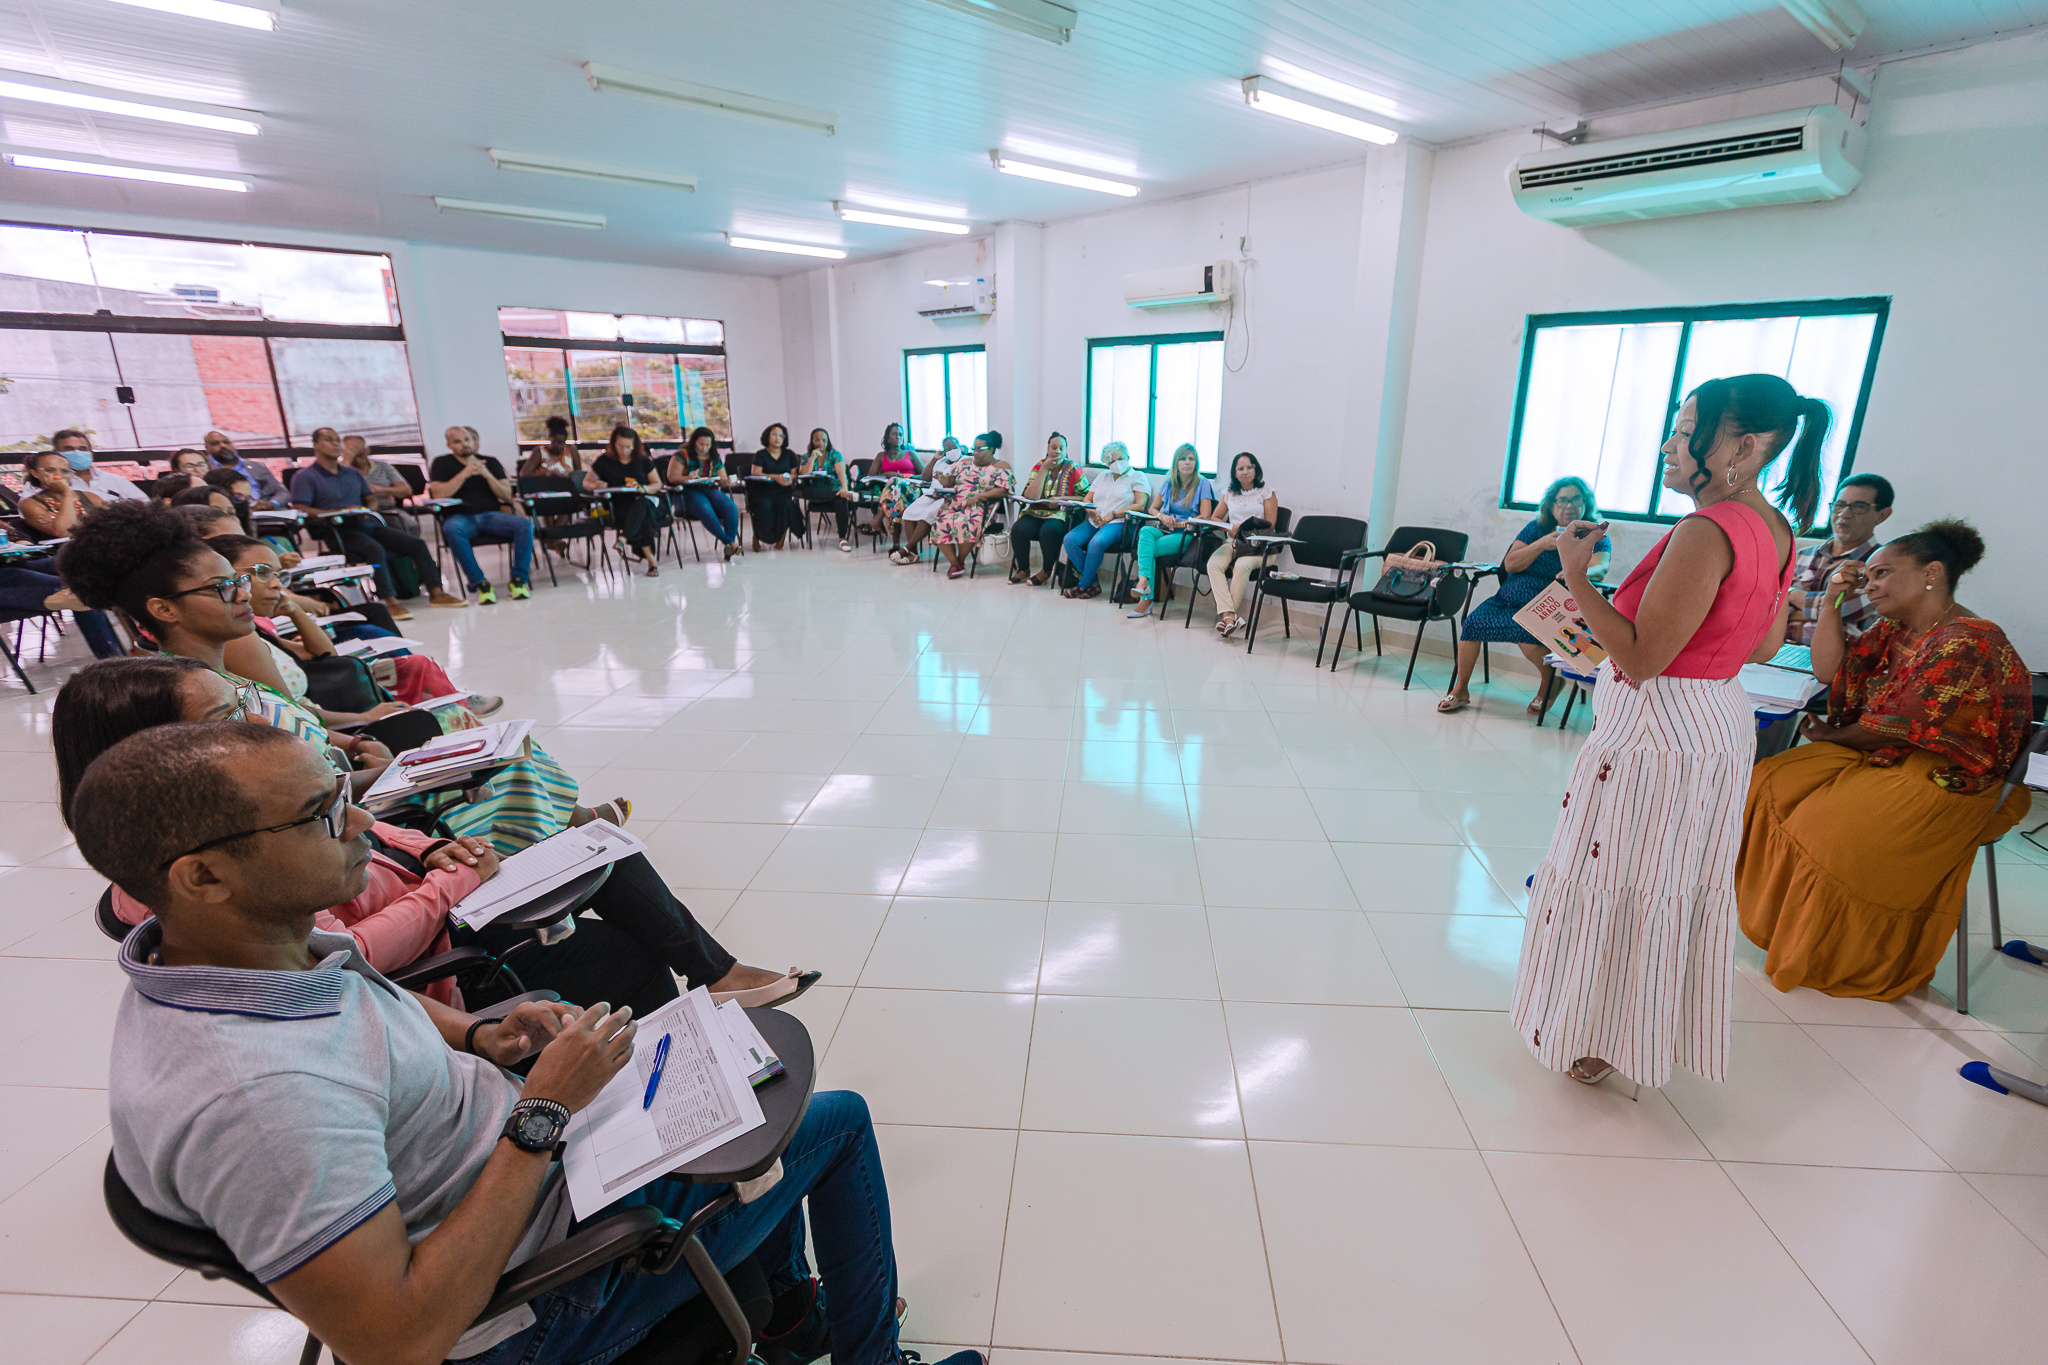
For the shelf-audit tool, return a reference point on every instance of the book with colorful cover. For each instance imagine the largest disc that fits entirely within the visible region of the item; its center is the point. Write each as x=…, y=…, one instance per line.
x=1553, y=617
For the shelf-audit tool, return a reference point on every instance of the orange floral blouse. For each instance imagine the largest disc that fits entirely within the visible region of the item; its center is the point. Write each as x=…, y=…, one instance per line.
x=1960, y=693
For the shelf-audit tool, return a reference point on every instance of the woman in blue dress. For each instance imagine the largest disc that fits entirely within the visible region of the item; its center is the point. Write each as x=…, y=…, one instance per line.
x=1531, y=563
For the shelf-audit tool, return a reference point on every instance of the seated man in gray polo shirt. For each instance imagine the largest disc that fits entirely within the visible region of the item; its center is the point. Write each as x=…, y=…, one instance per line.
x=360, y=1148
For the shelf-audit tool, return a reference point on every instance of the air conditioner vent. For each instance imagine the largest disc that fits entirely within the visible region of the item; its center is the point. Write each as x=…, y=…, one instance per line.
x=1775, y=142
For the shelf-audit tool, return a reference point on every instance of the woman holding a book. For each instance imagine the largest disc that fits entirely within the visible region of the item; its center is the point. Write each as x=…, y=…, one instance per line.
x=1857, y=847
x=1628, y=951
x=1530, y=565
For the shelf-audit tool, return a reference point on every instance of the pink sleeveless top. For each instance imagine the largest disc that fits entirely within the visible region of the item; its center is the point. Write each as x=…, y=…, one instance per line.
x=1749, y=597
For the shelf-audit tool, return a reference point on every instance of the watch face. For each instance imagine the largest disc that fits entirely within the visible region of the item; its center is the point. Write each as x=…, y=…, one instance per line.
x=536, y=1128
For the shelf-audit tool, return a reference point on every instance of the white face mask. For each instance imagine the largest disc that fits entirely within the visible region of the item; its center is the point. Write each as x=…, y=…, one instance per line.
x=1120, y=466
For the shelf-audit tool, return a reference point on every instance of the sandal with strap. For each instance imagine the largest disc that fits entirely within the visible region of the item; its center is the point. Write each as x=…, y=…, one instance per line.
x=1452, y=702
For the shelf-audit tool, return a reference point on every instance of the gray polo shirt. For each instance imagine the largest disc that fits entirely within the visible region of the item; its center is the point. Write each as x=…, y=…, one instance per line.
x=283, y=1109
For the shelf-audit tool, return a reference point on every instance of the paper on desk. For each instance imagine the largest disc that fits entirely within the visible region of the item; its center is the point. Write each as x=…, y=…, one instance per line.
x=1779, y=688
x=756, y=1057
x=436, y=703
x=341, y=618
x=541, y=867
x=377, y=648
x=505, y=739
x=615, y=1146
x=313, y=562
x=2037, y=771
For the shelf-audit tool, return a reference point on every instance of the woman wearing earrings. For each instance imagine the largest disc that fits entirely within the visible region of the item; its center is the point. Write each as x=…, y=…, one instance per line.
x=1627, y=954
x=1857, y=847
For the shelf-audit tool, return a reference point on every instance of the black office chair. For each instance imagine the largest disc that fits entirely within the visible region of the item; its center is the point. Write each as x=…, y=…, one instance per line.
x=641, y=1240
x=561, y=513
x=415, y=477
x=19, y=619
x=2018, y=949
x=1320, y=543
x=1440, y=601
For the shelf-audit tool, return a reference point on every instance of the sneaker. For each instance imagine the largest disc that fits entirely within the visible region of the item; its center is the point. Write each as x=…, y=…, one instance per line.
x=485, y=594
x=481, y=704
x=521, y=590
x=437, y=598
x=957, y=1358
x=846, y=546
x=398, y=611
x=803, y=1340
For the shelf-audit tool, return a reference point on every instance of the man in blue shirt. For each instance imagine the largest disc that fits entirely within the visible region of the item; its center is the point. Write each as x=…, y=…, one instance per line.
x=328, y=485
x=363, y=1150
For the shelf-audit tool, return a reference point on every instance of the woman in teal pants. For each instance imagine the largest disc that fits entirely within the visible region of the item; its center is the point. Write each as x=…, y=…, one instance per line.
x=1185, y=494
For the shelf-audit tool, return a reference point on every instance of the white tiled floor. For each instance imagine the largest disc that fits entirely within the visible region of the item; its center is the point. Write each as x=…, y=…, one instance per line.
x=1175, y=979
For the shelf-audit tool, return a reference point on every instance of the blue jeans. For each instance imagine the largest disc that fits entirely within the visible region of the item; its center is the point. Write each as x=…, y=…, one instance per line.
x=833, y=1161
x=24, y=588
x=458, y=530
x=1086, y=545
x=715, y=510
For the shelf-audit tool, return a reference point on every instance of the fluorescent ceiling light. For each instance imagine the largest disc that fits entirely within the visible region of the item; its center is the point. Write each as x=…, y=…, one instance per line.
x=830, y=253
x=559, y=217
x=221, y=12
x=899, y=220
x=611, y=78
x=1260, y=95
x=1059, y=177
x=29, y=162
x=1314, y=83
x=16, y=85
x=587, y=170
x=1039, y=18
x=1834, y=22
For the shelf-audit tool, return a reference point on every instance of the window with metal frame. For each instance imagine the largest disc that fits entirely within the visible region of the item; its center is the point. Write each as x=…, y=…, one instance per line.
x=147, y=341
x=945, y=393
x=663, y=377
x=1599, y=392
x=1156, y=393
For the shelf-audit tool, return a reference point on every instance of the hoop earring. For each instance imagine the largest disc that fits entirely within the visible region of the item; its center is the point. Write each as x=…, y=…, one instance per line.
x=1731, y=476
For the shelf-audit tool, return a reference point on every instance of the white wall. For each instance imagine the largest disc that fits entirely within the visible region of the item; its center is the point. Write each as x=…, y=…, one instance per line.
x=1951, y=221
x=449, y=298
x=1289, y=399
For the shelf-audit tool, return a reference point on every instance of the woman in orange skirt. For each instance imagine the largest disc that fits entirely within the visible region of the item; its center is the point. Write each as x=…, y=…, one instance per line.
x=1856, y=849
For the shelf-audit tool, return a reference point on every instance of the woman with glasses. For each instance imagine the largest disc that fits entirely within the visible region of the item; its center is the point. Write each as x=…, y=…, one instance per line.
x=417, y=677
x=1531, y=564
x=184, y=598
x=631, y=954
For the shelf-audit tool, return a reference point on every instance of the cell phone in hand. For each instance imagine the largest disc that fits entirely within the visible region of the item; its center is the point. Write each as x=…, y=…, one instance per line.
x=1581, y=533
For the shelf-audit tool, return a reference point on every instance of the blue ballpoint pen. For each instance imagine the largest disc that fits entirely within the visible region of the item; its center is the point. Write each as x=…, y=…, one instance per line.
x=654, y=1081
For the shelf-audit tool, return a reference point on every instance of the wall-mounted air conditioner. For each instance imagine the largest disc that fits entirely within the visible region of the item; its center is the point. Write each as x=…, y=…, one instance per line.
x=954, y=298
x=1207, y=283
x=1796, y=157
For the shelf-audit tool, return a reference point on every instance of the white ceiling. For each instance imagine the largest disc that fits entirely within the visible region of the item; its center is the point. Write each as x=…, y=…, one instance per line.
x=375, y=106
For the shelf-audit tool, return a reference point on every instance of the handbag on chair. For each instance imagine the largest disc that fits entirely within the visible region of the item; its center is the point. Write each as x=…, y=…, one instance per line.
x=1409, y=576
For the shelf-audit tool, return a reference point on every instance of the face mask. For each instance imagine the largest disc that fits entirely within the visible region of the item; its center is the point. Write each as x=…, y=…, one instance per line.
x=80, y=460
x=1119, y=466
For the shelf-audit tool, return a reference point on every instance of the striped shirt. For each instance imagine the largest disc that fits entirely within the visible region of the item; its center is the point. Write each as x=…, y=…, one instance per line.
x=1810, y=578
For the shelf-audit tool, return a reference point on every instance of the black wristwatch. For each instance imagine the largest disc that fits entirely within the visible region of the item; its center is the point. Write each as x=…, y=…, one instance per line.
x=536, y=1126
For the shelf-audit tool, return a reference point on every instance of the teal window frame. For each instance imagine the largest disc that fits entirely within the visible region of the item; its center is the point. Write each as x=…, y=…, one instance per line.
x=1152, y=463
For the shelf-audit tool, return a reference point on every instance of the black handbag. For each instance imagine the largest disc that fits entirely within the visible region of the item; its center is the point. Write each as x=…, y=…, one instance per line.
x=339, y=682
x=1251, y=526
x=1411, y=576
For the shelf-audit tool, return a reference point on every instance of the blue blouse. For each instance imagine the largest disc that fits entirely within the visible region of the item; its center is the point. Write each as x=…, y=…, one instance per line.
x=1191, y=505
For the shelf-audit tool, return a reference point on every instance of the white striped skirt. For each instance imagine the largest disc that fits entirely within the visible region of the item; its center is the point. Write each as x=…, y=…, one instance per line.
x=1628, y=952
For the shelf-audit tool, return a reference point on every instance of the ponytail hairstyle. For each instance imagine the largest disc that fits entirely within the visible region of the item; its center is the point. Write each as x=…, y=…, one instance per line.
x=1951, y=543
x=992, y=439
x=105, y=702
x=1766, y=405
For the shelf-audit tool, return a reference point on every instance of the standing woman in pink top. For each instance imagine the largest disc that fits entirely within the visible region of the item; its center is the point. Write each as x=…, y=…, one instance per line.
x=1628, y=950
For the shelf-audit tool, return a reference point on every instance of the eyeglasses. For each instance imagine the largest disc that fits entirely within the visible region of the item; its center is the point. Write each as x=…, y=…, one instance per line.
x=263, y=573
x=227, y=589
x=335, y=816
x=1859, y=508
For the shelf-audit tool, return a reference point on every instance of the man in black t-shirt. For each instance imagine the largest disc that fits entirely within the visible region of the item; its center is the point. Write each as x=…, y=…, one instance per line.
x=479, y=482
